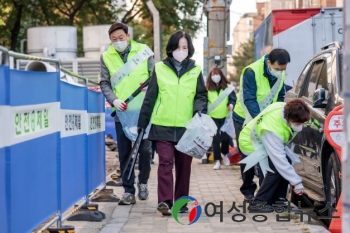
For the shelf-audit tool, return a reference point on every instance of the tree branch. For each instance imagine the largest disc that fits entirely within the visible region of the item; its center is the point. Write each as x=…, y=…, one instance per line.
x=76, y=9
x=132, y=17
x=93, y=11
x=59, y=9
x=129, y=12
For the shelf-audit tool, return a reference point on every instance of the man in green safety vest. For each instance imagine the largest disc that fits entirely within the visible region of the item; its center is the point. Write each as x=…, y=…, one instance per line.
x=261, y=84
x=124, y=66
x=264, y=140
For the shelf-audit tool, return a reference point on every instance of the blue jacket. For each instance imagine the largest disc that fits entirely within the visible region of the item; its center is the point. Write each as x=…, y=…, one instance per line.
x=250, y=88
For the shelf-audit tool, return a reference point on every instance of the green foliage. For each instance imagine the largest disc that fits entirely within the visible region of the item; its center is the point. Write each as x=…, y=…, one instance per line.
x=243, y=57
x=19, y=15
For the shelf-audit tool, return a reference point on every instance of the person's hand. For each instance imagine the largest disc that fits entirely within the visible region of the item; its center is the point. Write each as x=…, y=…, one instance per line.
x=298, y=189
x=143, y=89
x=230, y=107
x=120, y=105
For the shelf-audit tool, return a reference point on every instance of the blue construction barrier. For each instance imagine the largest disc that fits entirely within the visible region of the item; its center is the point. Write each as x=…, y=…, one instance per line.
x=52, y=151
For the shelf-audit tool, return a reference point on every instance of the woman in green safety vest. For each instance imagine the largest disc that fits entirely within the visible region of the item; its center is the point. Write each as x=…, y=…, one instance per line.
x=264, y=140
x=176, y=91
x=216, y=84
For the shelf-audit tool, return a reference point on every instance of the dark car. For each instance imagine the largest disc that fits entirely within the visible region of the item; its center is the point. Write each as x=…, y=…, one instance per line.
x=319, y=85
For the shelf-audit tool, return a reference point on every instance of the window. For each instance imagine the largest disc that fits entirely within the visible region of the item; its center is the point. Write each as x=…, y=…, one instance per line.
x=302, y=78
x=323, y=80
x=316, y=69
x=250, y=22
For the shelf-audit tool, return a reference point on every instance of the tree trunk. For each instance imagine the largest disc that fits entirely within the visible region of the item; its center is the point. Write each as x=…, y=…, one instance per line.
x=16, y=28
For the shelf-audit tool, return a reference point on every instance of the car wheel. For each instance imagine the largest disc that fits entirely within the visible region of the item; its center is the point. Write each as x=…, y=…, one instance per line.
x=333, y=184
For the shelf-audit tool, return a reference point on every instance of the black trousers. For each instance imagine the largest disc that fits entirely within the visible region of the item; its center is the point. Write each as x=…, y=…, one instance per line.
x=248, y=187
x=220, y=138
x=124, y=149
x=273, y=187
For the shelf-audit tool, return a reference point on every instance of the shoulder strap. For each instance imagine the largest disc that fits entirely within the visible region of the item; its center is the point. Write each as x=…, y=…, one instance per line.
x=128, y=67
x=221, y=97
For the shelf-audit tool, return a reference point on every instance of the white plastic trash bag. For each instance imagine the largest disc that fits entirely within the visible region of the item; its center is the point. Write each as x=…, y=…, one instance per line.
x=198, y=137
x=129, y=118
x=228, y=126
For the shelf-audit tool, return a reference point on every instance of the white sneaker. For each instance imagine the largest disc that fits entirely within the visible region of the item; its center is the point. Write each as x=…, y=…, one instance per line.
x=217, y=165
x=226, y=160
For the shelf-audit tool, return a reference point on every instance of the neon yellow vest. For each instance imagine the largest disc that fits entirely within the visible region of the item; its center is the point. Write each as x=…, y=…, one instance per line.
x=221, y=110
x=130, y=83
x=174, y=104
x=270, y=120
x=262, y=84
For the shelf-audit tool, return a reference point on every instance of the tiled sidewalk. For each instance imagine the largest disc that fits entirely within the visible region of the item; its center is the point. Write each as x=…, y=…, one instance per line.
x=207, y=185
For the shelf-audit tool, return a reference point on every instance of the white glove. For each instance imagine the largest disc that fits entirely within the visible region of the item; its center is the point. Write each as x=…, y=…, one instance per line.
x=230, y=107
x=120, y=105
x=298, y=189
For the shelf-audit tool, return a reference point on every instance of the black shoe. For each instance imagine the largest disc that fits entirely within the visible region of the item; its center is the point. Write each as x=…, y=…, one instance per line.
x=281, y=203
x=248, y=197
x=260, y=207
x=164, y=208
x=183, y=209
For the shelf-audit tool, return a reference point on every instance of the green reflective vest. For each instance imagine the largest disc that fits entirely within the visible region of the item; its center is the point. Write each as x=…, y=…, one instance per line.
x=114, y=62
x=221, y=110
x=175, y=100
x=262, y=84
x=269, y=120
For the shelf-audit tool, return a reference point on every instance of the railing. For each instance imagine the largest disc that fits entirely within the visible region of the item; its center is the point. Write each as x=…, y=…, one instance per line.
x=52, y=151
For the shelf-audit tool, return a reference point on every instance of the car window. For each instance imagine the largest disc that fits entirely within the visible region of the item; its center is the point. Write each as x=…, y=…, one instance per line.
x=301, y=78
x=314, y=74
x=323, y=80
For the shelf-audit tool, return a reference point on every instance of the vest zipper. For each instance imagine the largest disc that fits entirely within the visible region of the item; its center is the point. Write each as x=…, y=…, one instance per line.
x=178, y=84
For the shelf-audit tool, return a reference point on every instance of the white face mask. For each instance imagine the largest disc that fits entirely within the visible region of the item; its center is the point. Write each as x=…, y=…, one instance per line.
x=216, y=78
x=120, y=46
x=276, y=73
x=296, y=128
x=180, y=55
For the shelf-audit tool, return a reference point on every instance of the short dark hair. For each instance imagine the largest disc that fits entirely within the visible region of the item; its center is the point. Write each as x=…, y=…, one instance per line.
x=173, y=43
x=297, y=111
x=279, y=55
x=211, y=86
x=116, y=26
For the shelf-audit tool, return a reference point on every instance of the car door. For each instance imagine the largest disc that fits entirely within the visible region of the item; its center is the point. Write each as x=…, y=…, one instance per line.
x=297, y=141
x=319, y=77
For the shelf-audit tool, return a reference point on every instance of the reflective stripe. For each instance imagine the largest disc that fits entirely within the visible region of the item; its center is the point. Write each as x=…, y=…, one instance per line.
x=130, y=65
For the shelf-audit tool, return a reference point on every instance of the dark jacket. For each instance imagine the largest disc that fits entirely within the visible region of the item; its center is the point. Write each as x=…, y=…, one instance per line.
x=164, y=133
x=250, y=89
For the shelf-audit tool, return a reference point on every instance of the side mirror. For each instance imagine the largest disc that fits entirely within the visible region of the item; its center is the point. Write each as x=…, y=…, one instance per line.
x=318, y=99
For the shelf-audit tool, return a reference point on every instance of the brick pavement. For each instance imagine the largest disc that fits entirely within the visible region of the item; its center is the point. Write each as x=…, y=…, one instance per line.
x=207, y=185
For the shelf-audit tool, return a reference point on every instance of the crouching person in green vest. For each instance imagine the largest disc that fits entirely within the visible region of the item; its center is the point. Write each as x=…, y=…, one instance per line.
x=222, y=99
x=120, y=77
x=175, y=93
x=264, y=140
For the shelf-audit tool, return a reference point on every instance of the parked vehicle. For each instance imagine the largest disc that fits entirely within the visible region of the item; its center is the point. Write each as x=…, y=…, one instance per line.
x=319, y=84
x=302, y=32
